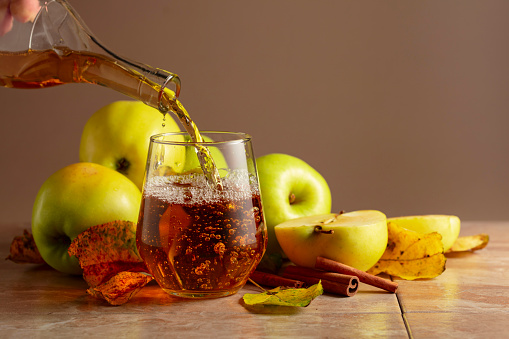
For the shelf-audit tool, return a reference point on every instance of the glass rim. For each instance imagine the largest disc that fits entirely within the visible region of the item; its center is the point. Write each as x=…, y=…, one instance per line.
x=240, y=137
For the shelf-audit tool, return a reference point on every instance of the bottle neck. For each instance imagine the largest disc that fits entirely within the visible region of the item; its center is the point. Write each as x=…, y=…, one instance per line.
x=155, y=87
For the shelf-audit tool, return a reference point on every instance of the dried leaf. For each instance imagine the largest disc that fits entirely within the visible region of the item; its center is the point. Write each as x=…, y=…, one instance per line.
x=470, y=243
x=279, y=296
x=121, y=287
x=105, y=250
x=96, y=274
x=24, y=250
x=111, y=264
x=424, y=268
x=113, y=241
x=411, y=255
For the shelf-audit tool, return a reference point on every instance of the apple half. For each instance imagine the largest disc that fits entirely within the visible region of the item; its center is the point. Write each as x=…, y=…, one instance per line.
x=356, y=239
x=446, y=225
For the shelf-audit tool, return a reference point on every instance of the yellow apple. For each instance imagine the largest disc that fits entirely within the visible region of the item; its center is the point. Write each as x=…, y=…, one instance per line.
x=74, y=199
x=446, y=225
x=118, y=135
x=356, y=239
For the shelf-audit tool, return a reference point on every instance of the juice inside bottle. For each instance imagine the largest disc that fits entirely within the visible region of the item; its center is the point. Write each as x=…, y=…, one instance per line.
x=39, y=69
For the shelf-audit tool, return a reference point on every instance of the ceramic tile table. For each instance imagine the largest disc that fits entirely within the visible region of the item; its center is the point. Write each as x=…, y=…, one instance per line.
x=469, y=300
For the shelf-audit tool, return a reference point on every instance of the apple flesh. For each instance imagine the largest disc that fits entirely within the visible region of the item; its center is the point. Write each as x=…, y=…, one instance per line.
x=446, y=225
x=290, y=188
x=356, y=239
x=118, y=135
x=73, y=199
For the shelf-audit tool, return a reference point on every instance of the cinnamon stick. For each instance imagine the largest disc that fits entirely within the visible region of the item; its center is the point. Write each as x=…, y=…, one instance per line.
x=272, y=280
x=334, y=266
x=331, y=282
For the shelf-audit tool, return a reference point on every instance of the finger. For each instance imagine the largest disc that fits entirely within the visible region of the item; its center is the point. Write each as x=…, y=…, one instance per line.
x=24, y=10
x=6, y=21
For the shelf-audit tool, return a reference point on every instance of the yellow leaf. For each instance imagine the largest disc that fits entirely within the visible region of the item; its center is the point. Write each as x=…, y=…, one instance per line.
x=470, y=243
x=404, y=244
x=424, y=268
x=411, y=255
x=278, y=296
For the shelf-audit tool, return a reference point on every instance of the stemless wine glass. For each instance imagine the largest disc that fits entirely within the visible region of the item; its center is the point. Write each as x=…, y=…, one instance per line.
x=197, y=239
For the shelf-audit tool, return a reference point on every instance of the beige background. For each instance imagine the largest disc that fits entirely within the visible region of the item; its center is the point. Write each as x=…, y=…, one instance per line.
x=402, y=106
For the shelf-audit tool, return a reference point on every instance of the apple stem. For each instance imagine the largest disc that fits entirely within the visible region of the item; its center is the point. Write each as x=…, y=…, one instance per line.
x=123, y=165
x=319, y=229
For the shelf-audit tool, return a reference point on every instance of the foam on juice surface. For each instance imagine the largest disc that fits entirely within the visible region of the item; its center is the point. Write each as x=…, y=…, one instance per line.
x=194, y=189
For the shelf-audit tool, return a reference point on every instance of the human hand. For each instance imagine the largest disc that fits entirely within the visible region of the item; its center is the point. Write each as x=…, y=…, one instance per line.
x=19, y=10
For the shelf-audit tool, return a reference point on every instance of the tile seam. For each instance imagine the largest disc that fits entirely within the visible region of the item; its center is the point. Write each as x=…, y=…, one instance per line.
x=403, y=316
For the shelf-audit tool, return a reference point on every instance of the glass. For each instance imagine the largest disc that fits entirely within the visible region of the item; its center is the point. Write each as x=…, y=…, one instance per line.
x=48, y=44
x=198, y=239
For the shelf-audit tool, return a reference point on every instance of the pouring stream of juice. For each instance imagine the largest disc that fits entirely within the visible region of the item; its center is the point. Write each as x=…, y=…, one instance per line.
x=58, y=64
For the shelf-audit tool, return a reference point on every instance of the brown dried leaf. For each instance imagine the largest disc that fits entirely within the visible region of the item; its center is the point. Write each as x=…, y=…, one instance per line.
x=111, y=264
x=105, y=250
x=470, y=243
x=113, y=241
x=96, y=274
x=411, y=255
x=24, y=250
x=121, y=288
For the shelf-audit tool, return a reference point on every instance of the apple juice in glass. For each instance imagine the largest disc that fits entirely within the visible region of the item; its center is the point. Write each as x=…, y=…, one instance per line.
x=199, y=239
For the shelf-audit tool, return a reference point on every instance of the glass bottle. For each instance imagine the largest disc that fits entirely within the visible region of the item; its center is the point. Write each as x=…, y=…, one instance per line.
x=54, y=46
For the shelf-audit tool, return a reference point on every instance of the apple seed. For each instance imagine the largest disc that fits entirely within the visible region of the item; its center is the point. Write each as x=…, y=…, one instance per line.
x=319, y=229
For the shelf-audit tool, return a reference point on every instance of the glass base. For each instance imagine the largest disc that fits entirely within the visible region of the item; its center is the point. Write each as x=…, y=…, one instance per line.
x=201, y=294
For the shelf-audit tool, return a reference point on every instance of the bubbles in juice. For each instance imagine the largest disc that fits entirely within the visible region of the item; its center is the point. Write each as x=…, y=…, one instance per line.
x=197, y=240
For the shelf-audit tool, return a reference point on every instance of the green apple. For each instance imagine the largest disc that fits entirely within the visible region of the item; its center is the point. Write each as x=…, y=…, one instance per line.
x=356, y=239
x=118, y=136
x=192, y=164
x=75, y=198
x=446, y=225
x=290, y=188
